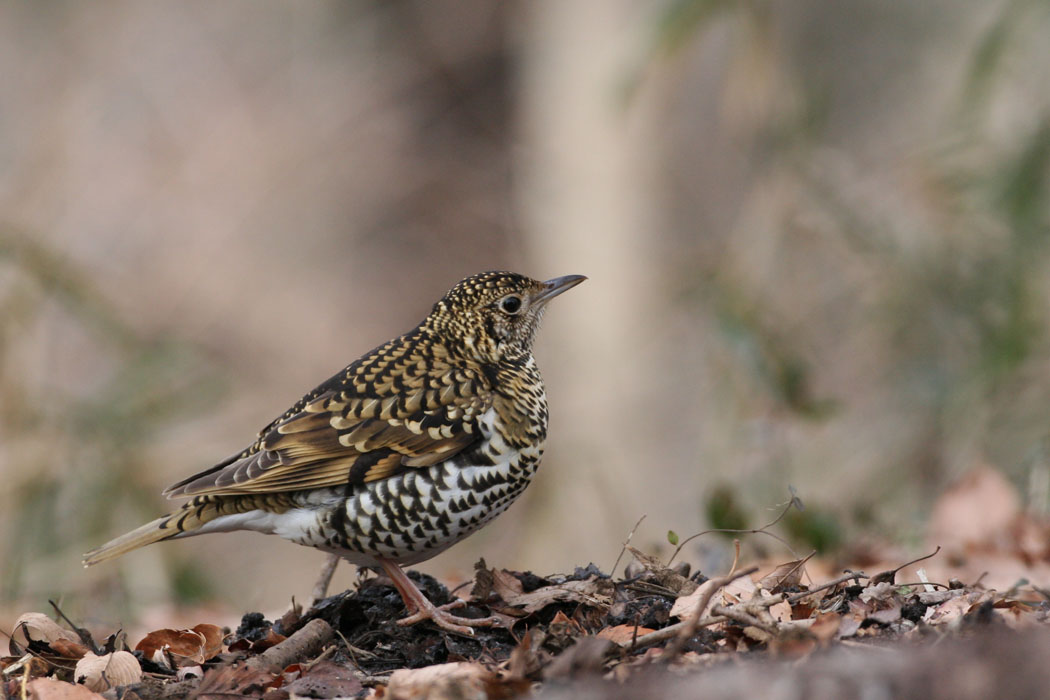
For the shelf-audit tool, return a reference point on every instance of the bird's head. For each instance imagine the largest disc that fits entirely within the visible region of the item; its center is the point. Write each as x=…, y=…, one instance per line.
x=493, y=316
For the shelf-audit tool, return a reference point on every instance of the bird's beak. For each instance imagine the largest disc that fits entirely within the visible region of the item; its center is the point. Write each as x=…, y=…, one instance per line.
x=554, y=287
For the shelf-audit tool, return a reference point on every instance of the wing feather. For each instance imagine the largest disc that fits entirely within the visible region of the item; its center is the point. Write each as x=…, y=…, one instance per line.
x=356, y=428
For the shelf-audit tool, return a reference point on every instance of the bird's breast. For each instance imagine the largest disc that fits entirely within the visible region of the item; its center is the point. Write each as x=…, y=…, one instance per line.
x=417, y=514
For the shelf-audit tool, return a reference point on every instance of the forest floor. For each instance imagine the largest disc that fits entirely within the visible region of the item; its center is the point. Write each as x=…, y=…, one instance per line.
x=788, y=629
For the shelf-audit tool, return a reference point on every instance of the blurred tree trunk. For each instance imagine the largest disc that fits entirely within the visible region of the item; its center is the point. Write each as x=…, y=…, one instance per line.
x=586, y=196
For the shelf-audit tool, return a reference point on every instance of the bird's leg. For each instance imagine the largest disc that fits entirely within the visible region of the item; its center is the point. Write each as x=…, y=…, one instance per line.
x=419, y=608
x=325, y=578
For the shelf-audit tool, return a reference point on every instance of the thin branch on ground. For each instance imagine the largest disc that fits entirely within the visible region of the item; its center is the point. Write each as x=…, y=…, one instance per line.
x=693, y=623
x=623, y=549
x=849, y=575
x=888, y=576
x=793, y=503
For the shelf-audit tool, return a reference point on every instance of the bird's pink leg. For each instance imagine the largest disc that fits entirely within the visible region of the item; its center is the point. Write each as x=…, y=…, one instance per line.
x=419, y=608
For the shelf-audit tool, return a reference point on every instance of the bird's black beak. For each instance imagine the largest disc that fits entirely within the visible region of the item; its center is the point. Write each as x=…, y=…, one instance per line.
x=554, y=287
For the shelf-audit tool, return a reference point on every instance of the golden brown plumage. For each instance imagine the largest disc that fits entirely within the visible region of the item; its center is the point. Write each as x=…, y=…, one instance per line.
x=406, y=451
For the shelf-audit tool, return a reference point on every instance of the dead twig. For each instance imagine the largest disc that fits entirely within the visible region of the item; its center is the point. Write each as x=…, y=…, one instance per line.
x=683, y=628
x=793, y=503
x=85, y=637
x=849, y=575
x=304, y=644
x=625, y=544
x=693, y=623
x=324, y=579
x=888, y=576
x=740, y=613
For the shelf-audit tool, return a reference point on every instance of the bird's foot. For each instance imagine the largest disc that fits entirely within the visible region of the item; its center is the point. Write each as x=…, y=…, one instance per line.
x=420, y=608
x=439, y=615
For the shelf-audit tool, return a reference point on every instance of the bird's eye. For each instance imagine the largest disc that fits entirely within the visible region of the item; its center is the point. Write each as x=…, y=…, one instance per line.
x=510, y=304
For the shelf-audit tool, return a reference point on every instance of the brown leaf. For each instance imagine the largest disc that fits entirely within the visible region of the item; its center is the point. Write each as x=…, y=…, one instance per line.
x=108, y=671
x=825, y=627
x=849, y=626
x=883, y=591
x=271, y=639
x=593, y=592
x=975, y=509
x=524, y=661
x=781, y=612
x=506, y=585
x=50, y=689
x=661, y=575
x=460, y=679
x=225, y=682
x=684, y=606
x=326, y=679
x=562, y=625
x=950, y=611
x=171, y=648
x=623, y=634
x=886, y=615
x=69, y=649
x=37, y=627
x=738, y=590
x=584, y=657
x=213, y=639
x=793, y=646
x=783, y=577
x=1016, y=614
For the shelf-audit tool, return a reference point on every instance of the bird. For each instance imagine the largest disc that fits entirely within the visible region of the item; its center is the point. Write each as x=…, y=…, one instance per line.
x=400, y=455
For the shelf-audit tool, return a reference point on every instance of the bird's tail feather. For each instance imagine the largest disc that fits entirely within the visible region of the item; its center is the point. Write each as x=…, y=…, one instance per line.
x=139, y=537
x=187, y=520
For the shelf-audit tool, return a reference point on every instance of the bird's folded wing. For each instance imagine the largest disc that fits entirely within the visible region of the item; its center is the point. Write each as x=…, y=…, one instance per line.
x=336, y=439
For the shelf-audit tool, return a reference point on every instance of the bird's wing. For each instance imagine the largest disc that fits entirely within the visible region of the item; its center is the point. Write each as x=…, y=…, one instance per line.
x=362, y=429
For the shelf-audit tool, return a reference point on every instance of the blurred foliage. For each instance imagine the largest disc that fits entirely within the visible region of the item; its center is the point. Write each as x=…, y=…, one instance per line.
x=815, y=528
x=724, y=512
x=784, y=372
x=67, y=497
x=682, y=20
x=956, y=280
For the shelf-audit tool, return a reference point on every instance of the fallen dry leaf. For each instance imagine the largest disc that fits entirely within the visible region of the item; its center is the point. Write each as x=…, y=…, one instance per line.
x=50, y=689
x=586, y=656
x=984, y=491
x=326, y=680
x=886, y=615
x=659, y=573
x=825, y=627
x=69, y=649
x=879, y=592
x=524, y=660
x=781, y=611
x=684, y=606
x=107, y=671
x=785, y=576
x=183, y=647
x=622, y=634
x=37, y=627
x=738, y=590
x=225, y=682
x=213, y=639
x=593, y=592
x=505, y=584
x=461, y=680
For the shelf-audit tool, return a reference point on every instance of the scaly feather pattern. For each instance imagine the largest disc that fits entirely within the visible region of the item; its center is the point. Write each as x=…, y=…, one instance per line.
x=407, y=450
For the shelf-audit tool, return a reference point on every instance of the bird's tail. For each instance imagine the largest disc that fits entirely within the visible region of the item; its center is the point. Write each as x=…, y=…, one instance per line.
x=139, y=537
x=188, y=520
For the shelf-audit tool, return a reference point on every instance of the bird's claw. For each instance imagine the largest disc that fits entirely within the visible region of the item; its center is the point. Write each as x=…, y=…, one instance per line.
x=439, y=615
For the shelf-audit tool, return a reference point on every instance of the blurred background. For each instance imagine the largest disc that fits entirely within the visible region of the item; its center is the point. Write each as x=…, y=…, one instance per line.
x=816, y=236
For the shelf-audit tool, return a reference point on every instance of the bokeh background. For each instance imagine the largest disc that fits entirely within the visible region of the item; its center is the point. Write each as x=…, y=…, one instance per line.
x=816, y=236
